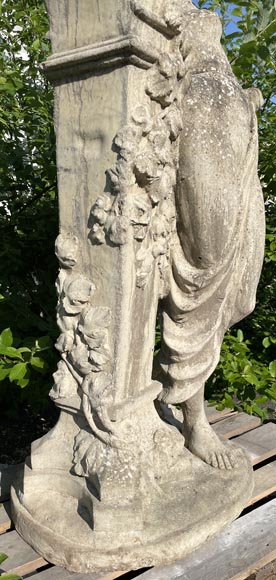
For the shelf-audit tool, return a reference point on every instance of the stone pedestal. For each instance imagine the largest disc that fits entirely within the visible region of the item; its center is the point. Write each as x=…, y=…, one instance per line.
x=112, y=486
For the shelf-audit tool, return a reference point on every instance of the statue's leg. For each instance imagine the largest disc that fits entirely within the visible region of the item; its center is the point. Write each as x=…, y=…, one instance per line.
x=201, y=439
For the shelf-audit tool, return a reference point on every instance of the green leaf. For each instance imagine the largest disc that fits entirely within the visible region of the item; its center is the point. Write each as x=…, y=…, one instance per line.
x=6, y=338
x=10, y=352
x=240, y=335
x=272, y=394
x=263, y=52
x=23, y=349
x=248, y=47
x=10, y=577
x=37, y=362
x=3, y=557
x=266, y=342
x=18, y=371
x=4, y=372
x=272, y=368
x=23, y=382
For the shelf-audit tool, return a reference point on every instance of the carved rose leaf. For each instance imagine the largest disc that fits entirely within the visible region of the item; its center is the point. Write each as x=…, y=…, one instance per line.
x=99, y=389
x=98, y=339
x=93, y=319
x=99, y=358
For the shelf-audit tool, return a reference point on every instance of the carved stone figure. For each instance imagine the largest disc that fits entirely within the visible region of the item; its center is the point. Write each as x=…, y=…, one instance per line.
x=160, y=211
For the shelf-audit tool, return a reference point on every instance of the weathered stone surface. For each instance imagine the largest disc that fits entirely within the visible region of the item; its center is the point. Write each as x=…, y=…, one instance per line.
x=160, y=206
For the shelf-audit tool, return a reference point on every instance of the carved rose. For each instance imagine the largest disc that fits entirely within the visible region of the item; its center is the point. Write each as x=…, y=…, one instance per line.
x=65, y=385
x=66, y=249
x=101, y=208
x=65, y=342
x=77, y=293
x=98, y=234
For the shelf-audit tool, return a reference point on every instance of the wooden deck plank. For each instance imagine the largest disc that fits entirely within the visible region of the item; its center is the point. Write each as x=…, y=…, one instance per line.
x=172, y=415
x=56, y=573
x=5, y=517
x=22, y=559
x=240, y=549
x=236, y=425
x=213, y=415
x=260, y=443
x=264, y=482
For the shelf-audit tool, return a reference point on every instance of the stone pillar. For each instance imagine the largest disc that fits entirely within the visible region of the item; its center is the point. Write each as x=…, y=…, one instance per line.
x=112, y=485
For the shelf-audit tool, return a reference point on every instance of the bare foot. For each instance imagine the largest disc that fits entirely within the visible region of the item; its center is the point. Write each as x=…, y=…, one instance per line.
x=203, y=442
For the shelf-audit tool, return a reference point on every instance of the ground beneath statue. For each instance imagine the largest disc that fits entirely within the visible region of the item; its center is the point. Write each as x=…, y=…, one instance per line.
x=17, y=434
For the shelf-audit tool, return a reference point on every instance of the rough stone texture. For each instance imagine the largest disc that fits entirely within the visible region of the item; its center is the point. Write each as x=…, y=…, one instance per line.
x=160, y=204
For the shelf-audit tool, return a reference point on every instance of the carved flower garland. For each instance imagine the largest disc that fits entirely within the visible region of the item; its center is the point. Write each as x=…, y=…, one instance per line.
x=84, y=341
x=144, y=177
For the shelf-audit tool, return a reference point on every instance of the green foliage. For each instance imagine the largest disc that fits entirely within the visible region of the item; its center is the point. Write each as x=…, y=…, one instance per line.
x=25, y=364
x=10, y=577
x=28, y=205
x=245, y=376
x=251, y=382
x=3, y=557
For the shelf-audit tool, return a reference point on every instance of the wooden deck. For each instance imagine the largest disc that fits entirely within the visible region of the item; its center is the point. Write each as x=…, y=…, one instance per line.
x=245, y=549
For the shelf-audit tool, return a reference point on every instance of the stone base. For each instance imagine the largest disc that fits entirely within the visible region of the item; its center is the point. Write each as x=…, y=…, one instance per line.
x=179, y=517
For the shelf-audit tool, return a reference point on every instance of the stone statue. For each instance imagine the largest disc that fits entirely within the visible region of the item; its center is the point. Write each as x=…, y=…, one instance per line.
x=160, y=210
x=217, y=252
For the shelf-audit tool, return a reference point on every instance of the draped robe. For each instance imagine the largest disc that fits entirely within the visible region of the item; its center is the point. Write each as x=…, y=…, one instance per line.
x=217, y=251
